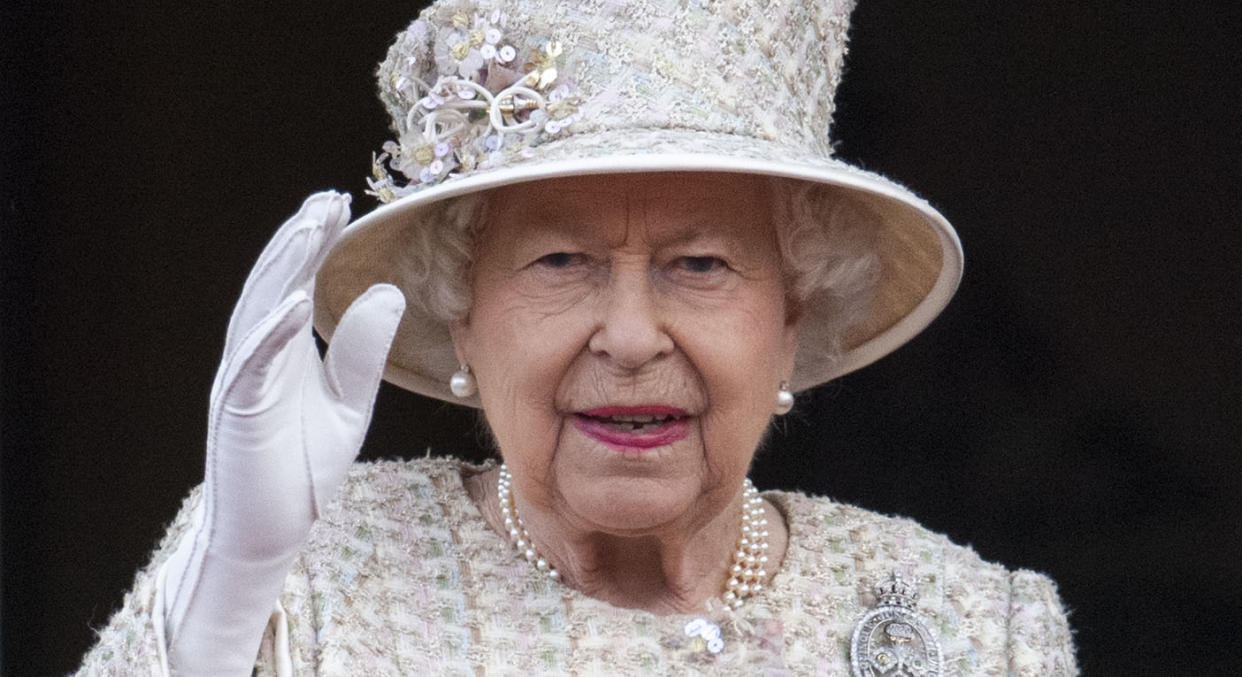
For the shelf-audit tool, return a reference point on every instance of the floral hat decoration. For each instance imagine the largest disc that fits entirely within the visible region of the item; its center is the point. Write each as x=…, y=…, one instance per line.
x=484, y=94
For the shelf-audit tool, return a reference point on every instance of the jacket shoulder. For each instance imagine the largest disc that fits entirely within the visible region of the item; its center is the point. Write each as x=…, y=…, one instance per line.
x=986, y=616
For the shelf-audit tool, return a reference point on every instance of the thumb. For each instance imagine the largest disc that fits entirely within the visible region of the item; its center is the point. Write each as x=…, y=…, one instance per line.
x=359, y=347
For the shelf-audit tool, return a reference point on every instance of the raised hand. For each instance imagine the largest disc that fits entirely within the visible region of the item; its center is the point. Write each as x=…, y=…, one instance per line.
x=283, y=428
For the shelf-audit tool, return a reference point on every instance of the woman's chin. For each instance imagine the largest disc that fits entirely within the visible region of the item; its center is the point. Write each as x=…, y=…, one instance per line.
x=630, y=505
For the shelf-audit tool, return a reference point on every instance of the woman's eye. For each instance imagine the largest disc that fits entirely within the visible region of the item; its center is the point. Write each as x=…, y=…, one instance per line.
x=559, y=260
x=701, y=264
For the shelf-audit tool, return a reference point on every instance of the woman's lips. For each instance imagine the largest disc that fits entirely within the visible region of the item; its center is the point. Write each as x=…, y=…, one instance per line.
x=633, y=428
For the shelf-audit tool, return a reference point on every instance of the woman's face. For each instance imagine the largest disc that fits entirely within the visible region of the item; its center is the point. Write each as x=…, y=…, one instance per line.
x=629, y=334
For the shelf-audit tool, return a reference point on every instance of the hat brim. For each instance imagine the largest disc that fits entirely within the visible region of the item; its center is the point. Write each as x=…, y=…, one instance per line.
x=919, y=253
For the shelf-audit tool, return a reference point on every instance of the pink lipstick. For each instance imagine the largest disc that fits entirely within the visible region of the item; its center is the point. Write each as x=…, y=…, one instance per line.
x=633, y=428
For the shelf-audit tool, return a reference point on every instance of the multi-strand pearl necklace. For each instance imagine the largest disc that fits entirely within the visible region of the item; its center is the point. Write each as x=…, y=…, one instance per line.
x=745, y=575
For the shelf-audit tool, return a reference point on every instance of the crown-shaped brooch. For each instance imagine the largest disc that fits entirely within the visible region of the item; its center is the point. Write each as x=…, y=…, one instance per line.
x=895, y=591
x=893, y=638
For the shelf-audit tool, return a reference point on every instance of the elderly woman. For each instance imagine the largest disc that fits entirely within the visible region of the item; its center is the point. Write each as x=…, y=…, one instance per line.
x=624, y=239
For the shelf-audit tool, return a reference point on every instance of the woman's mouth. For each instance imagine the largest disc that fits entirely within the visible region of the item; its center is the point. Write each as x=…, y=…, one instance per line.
x=633, y=428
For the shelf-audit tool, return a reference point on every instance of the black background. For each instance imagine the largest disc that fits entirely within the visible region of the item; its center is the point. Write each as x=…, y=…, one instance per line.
x=1073, y=411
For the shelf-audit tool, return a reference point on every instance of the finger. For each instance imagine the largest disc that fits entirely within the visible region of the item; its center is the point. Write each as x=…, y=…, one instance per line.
x=246, y=384
x=360, y=344
x=289, y=261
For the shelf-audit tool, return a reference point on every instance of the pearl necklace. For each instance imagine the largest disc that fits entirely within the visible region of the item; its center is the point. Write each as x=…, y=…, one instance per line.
x=745, y=575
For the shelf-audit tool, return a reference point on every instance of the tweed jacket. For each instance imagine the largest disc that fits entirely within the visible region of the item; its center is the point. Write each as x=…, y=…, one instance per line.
x=401, y=575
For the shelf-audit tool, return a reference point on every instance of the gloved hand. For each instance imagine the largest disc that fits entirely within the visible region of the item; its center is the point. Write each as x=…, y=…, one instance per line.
x=283, y=429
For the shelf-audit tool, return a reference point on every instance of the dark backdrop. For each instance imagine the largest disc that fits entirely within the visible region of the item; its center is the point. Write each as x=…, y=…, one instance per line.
x=1074, y=410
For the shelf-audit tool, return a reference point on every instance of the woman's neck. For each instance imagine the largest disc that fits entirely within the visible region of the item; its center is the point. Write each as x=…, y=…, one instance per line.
x=675, y=570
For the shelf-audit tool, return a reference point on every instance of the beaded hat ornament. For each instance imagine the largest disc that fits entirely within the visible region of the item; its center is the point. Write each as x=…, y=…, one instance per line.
x=486, y=94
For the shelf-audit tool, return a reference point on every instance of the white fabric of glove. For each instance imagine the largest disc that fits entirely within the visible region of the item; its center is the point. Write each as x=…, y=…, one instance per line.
x=283, y=429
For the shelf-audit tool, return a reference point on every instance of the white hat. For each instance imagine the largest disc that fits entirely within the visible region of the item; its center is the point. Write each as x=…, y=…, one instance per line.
x=485, y=94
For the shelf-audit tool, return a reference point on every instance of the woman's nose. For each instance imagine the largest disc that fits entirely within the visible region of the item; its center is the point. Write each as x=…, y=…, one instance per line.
x=630, y=329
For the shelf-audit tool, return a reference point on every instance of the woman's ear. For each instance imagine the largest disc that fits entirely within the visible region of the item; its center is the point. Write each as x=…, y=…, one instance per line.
x=793, y=312
x=459, y=330
x=789, y=346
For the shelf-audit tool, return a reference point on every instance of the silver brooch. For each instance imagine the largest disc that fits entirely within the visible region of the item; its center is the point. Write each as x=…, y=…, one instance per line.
x=892, y=639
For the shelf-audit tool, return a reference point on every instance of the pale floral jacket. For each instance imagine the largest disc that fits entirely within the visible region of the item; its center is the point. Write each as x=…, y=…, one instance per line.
x=402, y=576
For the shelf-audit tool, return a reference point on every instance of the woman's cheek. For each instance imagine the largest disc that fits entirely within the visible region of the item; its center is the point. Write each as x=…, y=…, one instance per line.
x=727, y=448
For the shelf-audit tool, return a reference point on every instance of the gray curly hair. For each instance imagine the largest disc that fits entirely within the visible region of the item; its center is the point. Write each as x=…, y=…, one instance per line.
x=825, y=247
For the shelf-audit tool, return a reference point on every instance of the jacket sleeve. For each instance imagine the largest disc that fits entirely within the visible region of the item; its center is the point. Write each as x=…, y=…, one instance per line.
x=133, y=641
x=1040, y=641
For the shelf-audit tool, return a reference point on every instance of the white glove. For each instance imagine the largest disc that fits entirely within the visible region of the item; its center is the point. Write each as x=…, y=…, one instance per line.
x=283, y=429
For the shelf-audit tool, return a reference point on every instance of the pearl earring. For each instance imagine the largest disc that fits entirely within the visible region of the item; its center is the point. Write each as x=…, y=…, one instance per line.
x=462, y=382
x=784, y=399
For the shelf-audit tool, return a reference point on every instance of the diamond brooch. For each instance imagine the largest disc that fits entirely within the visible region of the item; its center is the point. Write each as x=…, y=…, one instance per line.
x=892, y=640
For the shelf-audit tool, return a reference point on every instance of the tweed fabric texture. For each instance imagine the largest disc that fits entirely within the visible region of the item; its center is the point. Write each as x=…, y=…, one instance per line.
x=756, y=70
x=403, y=576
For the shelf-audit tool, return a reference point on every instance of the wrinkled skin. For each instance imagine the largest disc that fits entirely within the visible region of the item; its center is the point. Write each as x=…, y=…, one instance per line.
x=624, y=291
